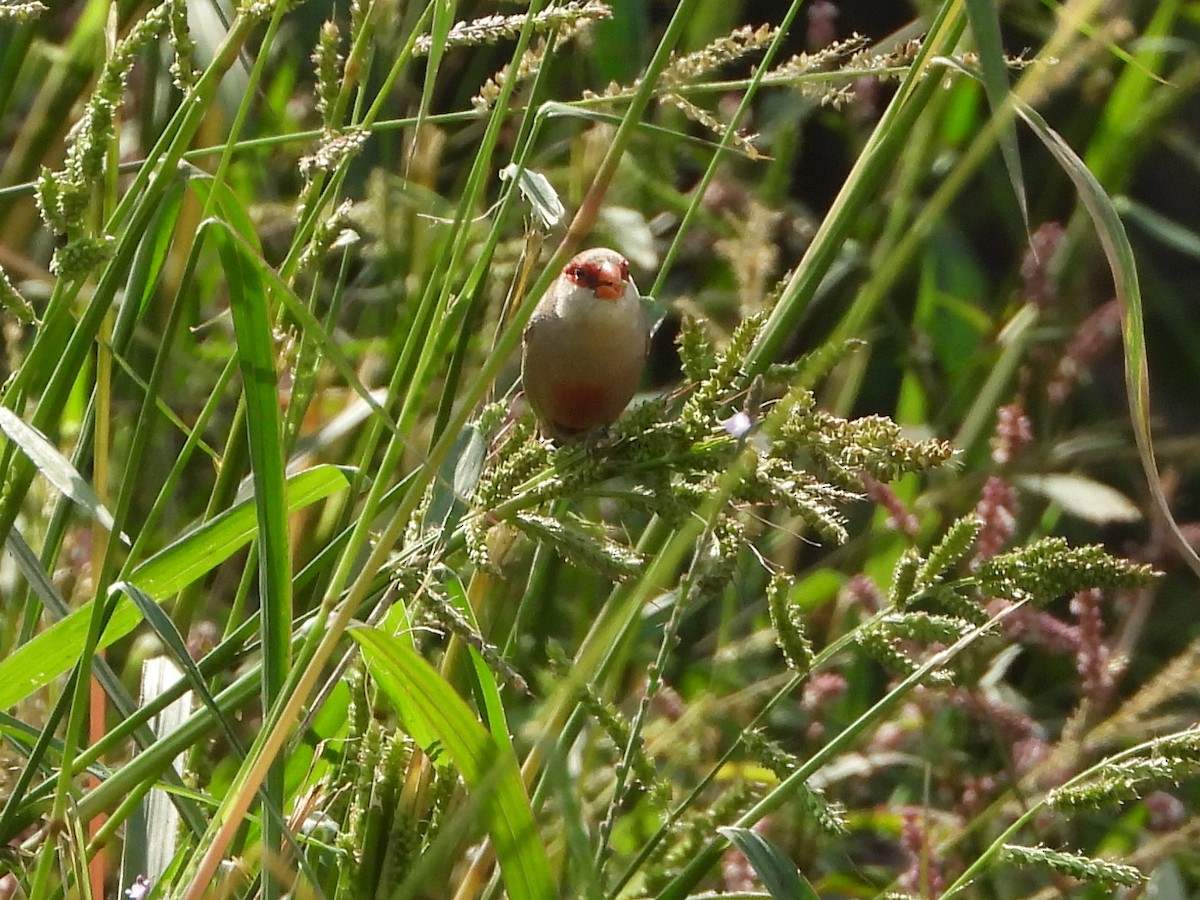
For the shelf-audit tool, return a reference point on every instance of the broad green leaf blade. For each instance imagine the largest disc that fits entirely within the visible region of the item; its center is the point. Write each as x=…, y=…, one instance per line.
x=54, y=466
x=53, y=652
x=1111, y=231
x=200, y=551
x=417, y=690
x=778, y=874
x=260, y=387
x=244, y=276
x=629, y=27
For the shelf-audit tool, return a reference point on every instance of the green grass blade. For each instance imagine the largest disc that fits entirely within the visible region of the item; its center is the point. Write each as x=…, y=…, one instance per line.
x=56, y=468
x=443, y=20
x=1165, y=230
x=1111, y=231
x=311, y=325
x=984, y=16
x=256, y=354
x=861, y=188
x=56, y=649
x=778, y=874
x=485, y=681
x=202, y=550
x=177, y=652
x=260, y=390
x=418, y=692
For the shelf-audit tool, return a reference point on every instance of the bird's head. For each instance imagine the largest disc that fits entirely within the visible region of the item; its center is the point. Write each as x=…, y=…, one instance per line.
x=602, y=271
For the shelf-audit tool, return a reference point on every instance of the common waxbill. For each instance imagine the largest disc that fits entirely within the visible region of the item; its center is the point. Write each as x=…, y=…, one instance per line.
x=585, y=346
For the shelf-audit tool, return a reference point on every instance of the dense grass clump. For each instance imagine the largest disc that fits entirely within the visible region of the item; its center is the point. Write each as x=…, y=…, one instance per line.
x=877, y=589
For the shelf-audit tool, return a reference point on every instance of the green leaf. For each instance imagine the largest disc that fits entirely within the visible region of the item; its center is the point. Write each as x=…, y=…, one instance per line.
x=234, y=217
x=778, y=874
x=53, y=652
x=54, y=466
x=200, y=551
x=1166, y=231
x=984, y=16
x=260, y=388
x=1119, y=253
x=309, y=323
x=154, y=249
x=425, y=701
x=443, y=21
x=177, y=653
x=485, y=680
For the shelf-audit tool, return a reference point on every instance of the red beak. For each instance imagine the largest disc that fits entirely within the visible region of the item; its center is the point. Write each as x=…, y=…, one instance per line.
x=610, y=282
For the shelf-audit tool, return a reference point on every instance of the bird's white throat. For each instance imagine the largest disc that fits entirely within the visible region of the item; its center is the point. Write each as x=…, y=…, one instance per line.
x=580, y=305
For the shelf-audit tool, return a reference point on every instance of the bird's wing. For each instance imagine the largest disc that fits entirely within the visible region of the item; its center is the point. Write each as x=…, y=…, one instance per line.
x=533, y=325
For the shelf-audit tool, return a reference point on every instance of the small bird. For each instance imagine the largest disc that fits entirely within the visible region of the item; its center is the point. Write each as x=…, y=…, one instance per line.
x=585, y=347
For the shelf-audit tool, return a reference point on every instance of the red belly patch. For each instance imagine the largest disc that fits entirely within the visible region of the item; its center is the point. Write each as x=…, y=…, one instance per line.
x=581, y=404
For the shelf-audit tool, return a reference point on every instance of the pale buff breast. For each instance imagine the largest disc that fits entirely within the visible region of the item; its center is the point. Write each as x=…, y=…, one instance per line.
x=583, y=360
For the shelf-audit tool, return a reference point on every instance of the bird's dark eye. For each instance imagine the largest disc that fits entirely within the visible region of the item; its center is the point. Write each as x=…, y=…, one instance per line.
x=582, y=274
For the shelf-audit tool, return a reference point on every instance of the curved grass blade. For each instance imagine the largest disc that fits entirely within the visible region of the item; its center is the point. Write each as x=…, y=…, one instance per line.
x=778, y=874
x=419, y=692
x=178, y=654
x=56, y=468
x=1114, y=240
x=51, y=653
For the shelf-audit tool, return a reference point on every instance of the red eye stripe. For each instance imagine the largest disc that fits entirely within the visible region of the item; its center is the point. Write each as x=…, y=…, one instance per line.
x=578, y=273
x=606, y=278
